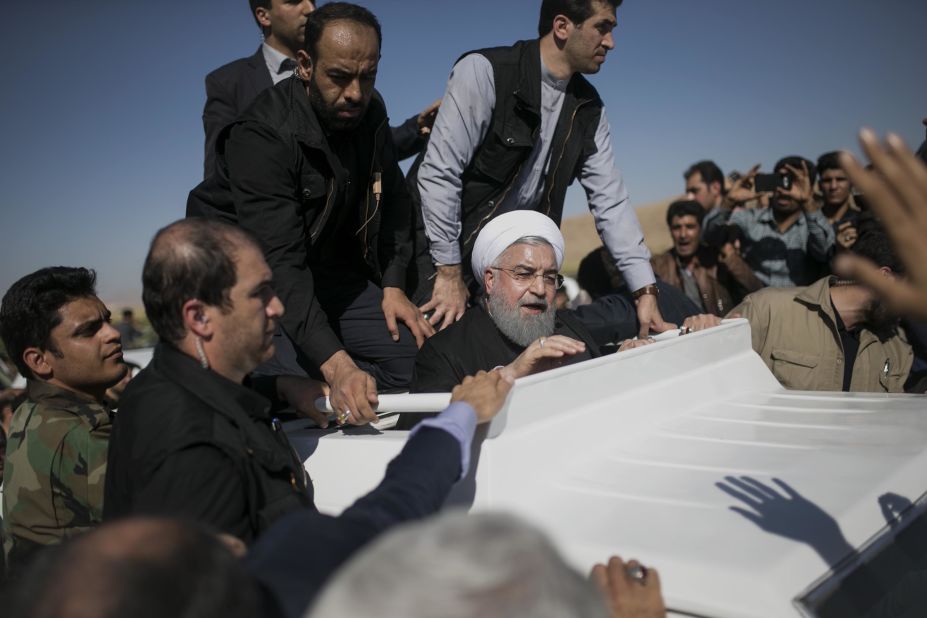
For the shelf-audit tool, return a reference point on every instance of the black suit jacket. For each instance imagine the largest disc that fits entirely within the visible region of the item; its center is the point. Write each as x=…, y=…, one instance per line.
x=229, y=90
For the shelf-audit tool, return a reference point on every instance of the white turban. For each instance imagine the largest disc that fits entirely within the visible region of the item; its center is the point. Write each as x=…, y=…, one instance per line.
x=502, y=232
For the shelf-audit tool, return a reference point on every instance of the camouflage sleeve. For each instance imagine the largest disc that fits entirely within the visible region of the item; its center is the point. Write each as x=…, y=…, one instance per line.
x=53, y=477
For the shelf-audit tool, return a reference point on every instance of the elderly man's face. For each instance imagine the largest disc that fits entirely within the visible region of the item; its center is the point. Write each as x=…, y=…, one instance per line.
x=521, y=289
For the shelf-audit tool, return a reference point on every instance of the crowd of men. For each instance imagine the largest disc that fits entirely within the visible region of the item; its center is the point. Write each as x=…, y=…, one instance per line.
x=309, y=265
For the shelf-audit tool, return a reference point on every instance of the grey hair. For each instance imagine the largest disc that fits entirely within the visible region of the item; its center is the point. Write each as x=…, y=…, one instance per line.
x=460, y=566
x=535, y=241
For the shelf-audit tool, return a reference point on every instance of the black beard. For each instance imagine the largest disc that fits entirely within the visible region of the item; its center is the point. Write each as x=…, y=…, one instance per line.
x=327, y=115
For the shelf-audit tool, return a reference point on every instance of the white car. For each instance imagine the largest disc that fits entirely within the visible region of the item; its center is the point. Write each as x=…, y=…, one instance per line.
x=751, y=500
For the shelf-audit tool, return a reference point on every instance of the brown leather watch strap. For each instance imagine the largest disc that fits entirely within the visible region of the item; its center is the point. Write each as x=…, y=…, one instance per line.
x=647, y=289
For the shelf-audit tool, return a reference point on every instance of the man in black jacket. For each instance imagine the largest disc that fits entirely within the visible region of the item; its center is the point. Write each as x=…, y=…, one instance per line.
x=309, y=169
x=193, y=440
x=517, y=126
x=233, y=86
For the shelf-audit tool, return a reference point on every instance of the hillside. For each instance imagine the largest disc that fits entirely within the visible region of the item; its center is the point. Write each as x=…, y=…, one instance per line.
x=581, y=236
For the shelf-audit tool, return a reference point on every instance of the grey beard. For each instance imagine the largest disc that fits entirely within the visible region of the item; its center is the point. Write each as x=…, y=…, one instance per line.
x=523, y=330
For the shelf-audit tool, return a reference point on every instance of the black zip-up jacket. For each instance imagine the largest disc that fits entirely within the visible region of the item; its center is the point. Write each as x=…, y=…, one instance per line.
x=512, y=135
x=277, y=177
x=189, y=443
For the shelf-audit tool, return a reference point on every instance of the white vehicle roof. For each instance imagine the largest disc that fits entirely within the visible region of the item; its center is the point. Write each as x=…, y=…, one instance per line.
x=624, y=454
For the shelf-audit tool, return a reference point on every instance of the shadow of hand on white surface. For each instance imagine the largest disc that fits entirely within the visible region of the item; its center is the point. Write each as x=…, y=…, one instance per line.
x=784, y=512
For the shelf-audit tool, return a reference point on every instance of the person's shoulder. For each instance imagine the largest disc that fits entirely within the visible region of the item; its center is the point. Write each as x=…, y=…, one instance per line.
x=44, y=422
x=232, y=69
x=773, y=296
x=452, y=337
x=155, y=408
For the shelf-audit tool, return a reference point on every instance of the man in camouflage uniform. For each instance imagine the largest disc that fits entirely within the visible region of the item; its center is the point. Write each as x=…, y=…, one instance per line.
x=59, y=335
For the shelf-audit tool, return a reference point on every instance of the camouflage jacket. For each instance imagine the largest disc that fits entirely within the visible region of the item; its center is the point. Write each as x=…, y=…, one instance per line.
x=55, y=470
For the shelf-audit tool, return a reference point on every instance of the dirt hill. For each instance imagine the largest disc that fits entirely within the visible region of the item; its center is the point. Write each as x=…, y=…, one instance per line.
x=581, y=236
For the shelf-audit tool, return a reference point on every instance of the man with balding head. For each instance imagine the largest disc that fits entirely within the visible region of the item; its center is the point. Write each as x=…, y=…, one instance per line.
x=193, y=440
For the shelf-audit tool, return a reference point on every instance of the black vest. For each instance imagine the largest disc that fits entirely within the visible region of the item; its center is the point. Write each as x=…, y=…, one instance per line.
x=513, y=134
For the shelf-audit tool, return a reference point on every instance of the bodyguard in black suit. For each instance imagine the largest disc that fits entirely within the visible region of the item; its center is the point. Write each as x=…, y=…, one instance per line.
x=231, y=88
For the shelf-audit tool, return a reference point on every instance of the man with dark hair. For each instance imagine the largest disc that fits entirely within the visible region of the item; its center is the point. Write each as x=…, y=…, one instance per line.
x=193, y=440
x=790, y=242
x=309, y=170
x=834, y=335
x=231, y=88
x=837, y=201
x=715, y=278
x=59, y=335
x=705, y=185
x=518, y=125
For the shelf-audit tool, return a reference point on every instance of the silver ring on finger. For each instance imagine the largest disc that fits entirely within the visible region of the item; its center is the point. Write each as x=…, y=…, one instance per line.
x=541, y=341
x=637, y=573
x=343, y=417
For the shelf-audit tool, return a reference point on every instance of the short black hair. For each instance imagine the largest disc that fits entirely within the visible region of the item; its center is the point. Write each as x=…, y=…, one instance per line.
x=829, y=161
x=796, y=161
x=708, y=170
x=255, y=4
x=873, y=243
x=577, y=11
x=685, y=208
x=192, y=258
x=30, y=307
x=335, y=11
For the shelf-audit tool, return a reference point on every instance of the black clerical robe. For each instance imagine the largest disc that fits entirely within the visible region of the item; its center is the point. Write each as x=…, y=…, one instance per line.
x=473, y=343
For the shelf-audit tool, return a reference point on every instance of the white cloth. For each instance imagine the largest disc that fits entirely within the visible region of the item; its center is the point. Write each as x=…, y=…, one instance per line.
x=502, y=232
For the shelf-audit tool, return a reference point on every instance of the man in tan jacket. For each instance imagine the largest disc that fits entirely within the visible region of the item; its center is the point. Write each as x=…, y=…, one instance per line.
x=832, y=335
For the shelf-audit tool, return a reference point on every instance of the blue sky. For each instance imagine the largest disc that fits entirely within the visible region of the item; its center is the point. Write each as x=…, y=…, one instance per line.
x=100, y=114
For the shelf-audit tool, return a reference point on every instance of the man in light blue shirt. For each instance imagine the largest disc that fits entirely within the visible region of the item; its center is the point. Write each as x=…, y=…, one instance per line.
x=517, y=126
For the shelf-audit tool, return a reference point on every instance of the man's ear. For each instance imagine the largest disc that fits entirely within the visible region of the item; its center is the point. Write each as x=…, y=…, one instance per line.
x=196, y=318
x=303, y=65
x=716, y=187
x=488, y=280
x=562, y=28
x=261, y=14
x=36, y=361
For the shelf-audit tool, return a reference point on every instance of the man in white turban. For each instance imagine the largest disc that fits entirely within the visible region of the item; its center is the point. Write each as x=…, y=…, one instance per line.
x=515, y=325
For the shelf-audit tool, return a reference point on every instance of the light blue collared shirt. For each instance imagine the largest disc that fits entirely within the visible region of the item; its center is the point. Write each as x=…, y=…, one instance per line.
x=273, y=59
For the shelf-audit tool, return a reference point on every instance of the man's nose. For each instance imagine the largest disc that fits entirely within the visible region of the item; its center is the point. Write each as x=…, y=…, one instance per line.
x=275, y=308
x=609, y=41
x=690, y=195
x=110, y=333
x=308, y=7
x=538, y=287
x=352, y=91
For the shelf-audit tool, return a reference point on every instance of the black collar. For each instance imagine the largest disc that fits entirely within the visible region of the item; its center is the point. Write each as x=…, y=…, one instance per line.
x=217, y=392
